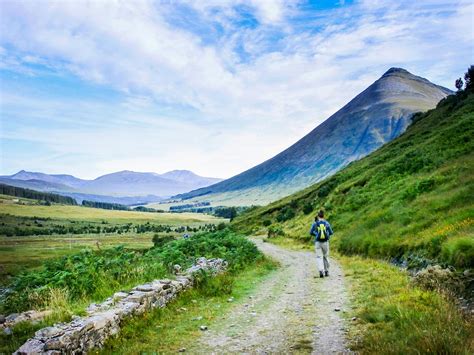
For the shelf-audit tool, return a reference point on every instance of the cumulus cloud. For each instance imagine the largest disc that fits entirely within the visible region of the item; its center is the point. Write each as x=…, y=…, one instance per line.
x=254, y=76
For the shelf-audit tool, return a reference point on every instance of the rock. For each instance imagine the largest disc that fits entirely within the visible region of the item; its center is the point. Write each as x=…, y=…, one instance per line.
x=337, y=309
x=32, y=346
x=2, y=319
x=467, y=272
x=193, y=301
x=7, y=331
x=49, y=332
x=11, y=318
x=144, y=288
x=354, y=319
x=197, y=318
x=230, y=299
x=177, y=269
x=136, y=296
x=182, y=350
x=203, y=327
x=253, y=313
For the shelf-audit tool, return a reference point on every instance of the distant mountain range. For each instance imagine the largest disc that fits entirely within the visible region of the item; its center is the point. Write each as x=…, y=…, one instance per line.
x=127, y=187
x=374, y=117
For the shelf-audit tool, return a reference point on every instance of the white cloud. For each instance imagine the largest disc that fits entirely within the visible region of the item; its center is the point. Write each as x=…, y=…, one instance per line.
x=255, y=90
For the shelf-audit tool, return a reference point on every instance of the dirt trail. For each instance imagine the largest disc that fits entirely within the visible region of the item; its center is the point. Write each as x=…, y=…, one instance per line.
x=293, y=311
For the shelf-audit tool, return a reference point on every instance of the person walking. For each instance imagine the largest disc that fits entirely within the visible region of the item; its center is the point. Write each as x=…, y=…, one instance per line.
x=322, y=231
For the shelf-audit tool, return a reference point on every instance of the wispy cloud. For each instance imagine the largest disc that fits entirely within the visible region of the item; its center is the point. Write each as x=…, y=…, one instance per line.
x=215, y=86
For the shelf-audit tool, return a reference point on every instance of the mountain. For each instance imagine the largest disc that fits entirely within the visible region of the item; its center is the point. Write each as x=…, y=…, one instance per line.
x=120, y=185
x=410, y=201
x=62, y=179
x=189, y=177
x=35, y=184
x=376, y=116
x=130, y=183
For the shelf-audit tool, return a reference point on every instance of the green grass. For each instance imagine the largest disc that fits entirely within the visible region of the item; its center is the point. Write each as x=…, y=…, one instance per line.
x=80, y=213
x=395, y=317
x=18, y=254
x=411, y=199
x=169, y=329
x=31, y=234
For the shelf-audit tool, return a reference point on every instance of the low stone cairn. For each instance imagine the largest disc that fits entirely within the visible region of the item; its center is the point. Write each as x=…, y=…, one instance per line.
x=104, y=320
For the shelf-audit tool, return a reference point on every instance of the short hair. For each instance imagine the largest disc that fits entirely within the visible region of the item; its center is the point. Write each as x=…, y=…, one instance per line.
x=321, y=214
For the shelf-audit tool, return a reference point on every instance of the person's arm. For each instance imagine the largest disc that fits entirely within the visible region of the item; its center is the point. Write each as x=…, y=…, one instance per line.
x=330, y=229
x=311, y=231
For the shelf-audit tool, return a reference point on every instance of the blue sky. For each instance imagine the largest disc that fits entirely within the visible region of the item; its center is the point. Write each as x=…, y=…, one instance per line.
x=215, y=86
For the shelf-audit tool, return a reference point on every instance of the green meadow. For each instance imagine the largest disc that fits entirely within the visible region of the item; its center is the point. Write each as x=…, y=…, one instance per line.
x=31, y=234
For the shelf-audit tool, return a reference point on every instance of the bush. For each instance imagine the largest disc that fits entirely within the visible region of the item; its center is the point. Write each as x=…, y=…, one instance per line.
x=267, y=222
x=307, y=208
x=234, y=248
x=160, y=241
x=459, y=252
x=275, y=231
x=285, y=214
x=95, y=275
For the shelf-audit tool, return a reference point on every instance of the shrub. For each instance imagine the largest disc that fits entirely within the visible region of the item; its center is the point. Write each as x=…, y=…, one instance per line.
x=266, y=222
x=307, y=208
x=459, y=252
x=275, y=231
x=95, y=275
x=161, y=240
x=285, y=214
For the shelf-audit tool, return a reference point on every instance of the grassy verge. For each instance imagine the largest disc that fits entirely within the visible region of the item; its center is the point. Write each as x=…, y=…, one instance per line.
x=177, y=326
x=395, y=317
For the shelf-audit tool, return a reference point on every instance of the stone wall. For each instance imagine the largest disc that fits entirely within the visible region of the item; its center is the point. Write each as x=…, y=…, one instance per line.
x=104, y=320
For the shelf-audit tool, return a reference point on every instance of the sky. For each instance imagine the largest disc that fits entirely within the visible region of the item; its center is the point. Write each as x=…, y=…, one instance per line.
x=213, y=86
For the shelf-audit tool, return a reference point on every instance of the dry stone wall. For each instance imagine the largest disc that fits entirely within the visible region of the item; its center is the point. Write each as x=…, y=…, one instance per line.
x=104, y=320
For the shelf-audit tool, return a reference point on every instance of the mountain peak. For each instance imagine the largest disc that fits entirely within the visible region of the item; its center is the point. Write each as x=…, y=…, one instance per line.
x=374, y=117
x=395, y=70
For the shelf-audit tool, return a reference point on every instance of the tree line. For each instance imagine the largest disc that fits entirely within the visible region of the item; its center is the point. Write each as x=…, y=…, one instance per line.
x=35, y=195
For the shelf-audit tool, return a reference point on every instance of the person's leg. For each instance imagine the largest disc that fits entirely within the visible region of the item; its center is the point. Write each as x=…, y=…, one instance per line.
x=325, y=250
x=319, y=258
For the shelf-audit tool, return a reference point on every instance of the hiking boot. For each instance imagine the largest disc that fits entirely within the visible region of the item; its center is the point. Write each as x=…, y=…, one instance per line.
x=321, y=274
x=326, y=273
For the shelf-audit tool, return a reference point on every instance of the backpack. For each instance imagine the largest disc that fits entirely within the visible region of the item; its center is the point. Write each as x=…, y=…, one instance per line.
x=323, y=234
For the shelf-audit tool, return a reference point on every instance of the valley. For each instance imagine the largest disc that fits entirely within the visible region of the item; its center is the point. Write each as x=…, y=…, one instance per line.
x=402, y=257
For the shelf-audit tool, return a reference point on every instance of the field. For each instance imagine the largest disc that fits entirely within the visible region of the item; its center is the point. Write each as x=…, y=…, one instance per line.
x=79, y=213
x=31, y=233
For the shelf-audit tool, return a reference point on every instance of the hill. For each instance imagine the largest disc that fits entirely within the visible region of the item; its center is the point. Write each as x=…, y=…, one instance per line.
x=113, y=187
x=374, y=117
x=35, y=195
x=411, y=200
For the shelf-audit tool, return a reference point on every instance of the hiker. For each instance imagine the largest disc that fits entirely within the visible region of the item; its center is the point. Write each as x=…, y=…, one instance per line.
x=322, y=230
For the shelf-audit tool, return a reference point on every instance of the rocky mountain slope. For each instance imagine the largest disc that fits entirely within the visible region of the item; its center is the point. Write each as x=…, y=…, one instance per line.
x=374, y=117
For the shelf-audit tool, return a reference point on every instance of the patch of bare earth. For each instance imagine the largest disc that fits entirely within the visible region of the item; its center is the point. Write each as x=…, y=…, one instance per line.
x=292, y=311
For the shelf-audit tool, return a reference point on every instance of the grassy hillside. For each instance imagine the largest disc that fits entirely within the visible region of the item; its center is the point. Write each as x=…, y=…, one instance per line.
x=412, y=198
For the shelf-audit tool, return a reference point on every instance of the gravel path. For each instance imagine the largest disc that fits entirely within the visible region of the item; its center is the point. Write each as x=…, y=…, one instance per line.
x=292, y=311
